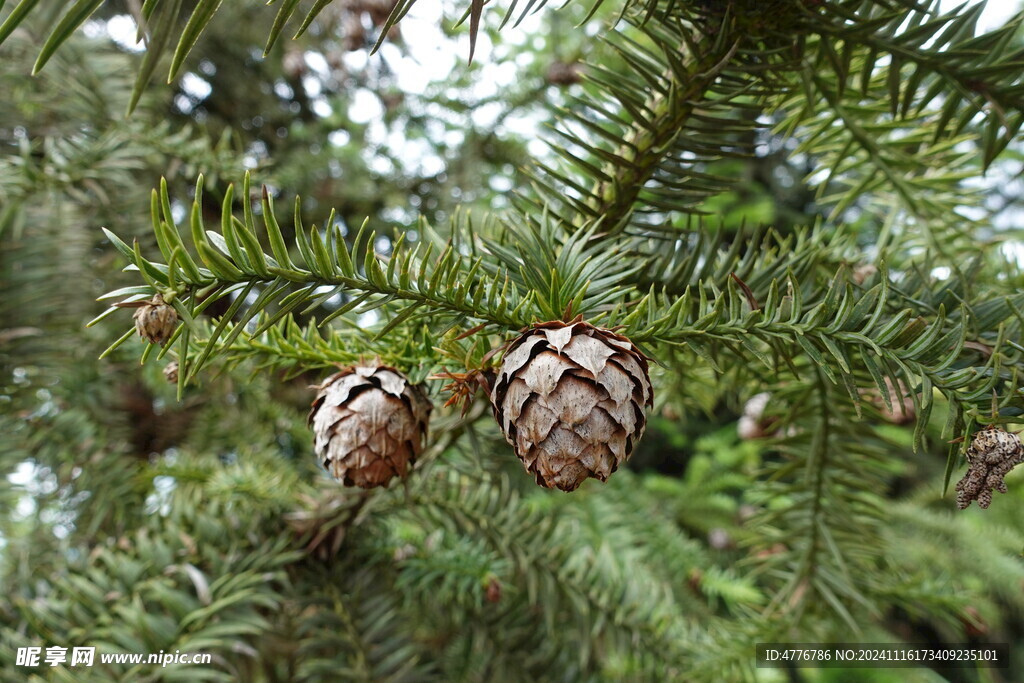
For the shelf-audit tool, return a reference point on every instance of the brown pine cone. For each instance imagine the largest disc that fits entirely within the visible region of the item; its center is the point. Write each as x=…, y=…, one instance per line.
x=369, y=425
x=570, y=399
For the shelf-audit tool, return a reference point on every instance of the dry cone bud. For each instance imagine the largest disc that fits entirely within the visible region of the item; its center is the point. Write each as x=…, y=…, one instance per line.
x=155, y=321
x=369, y=424
x=171, y=372
x=992, y=454
x=570, y=398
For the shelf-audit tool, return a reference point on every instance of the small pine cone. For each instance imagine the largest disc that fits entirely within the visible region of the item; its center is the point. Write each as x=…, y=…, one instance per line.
x=354, y=32
x=863, y=273
x=171, y=372
x=752, y=424
x=992, y=454
x=493, y=590
x=902, y=412
x=369, y=425
x=974, y=624
x=293, y=63
x=570, y=399
x=563, y=73
x=155, y=321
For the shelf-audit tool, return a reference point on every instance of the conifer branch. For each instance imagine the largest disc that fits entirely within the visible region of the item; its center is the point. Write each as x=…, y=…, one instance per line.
x=974, y=73
x=650, y=138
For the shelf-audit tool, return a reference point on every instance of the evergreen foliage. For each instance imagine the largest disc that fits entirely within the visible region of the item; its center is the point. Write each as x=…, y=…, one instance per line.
x=195, y=518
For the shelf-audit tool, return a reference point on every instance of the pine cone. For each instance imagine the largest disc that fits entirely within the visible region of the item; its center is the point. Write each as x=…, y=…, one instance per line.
x=992, y=454
x=570, y=399
x=155, y=321
x=369, y=424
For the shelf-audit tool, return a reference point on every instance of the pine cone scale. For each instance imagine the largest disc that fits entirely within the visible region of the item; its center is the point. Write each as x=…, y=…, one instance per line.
x=615, y=381
x=558, y=337
x=535, y=423
x=573, y=402
x=589, y=354
x=515, y=402
x=543, y=373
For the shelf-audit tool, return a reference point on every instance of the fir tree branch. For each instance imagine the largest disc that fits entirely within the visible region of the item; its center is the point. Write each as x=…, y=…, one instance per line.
x=945, y=55
x=639, y=143
x=649, y=140
x=235, y=266
x=543, y=555
x=841, y=333
x=817, y=540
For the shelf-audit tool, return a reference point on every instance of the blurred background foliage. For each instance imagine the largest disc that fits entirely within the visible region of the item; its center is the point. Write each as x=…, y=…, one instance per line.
x=136, y=522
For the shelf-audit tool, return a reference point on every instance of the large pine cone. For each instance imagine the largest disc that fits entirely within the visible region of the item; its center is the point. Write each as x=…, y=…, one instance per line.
x=369, y=425
x=570, y=398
